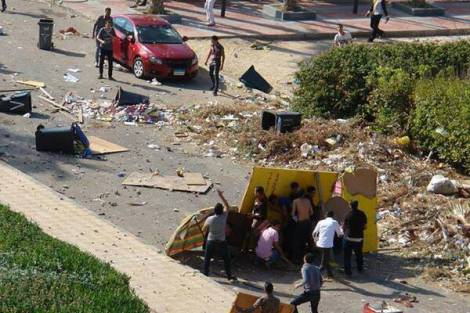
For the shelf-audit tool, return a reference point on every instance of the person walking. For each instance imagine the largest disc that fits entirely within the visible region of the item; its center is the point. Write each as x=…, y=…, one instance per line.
x=100, y=23
x=217, y=56
x=377, y=10
x=267, y=304
x=4, y=5
x=312, y=282
x=215, y=225
x=324, y=233
x=105, y=38
x=354, y=225
x=209, y=8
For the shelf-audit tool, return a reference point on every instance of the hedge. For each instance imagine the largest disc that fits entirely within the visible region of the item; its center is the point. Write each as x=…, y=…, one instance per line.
x=338, y=83
x=440, y=121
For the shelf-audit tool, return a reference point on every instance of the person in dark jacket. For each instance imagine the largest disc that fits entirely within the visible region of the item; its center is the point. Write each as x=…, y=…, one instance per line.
x=377, y=10
x=100, y=23
x=354, y=225
x=105, y=38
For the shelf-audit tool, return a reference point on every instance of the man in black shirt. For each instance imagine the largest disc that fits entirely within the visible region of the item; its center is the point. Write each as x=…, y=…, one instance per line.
x=105, y=38
x=100, y=23
x=217, y=56
x=354, y=225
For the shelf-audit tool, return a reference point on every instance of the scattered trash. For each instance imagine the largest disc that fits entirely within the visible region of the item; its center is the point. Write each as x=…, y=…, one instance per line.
x=155, y=82
x=70, y=78
x=27, y=115
x=382, y=307
x=153, y=146
x=74, y=70
x=406, y=300
x=442, y=185
x=403, y=141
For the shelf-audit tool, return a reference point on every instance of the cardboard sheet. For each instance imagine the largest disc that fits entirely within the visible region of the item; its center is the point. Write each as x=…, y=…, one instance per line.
x=194, y=179
x=362, y=181
x=245, y=300
x=339, y=206
x=101, y=146
x=174, y=183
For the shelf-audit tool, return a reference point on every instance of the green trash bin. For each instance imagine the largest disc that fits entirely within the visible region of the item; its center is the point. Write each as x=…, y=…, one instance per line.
x=46, y=26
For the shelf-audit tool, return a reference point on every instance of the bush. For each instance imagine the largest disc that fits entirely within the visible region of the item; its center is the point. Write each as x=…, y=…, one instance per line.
x=335, y=84
x=441, y=119
x=390, y=101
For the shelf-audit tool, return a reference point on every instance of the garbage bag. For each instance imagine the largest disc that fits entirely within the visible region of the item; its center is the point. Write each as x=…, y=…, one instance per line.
x=252, y=79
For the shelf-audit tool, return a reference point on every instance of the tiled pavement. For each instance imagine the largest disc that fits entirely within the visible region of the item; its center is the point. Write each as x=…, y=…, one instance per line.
x=166, y=286
x=244, y=19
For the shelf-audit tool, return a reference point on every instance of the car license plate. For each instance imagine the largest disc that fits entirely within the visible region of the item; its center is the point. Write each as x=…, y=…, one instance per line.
x=179, y=72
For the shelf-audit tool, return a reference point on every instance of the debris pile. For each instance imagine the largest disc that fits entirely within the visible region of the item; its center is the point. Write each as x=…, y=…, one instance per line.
x=421, y=215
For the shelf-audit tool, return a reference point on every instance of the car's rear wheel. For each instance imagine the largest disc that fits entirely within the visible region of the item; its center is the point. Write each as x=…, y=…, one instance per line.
x=138, y=68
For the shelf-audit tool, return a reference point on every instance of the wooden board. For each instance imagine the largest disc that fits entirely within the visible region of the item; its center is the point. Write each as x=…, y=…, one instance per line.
x=101, y=146
x=194, y=179
x=245, y=300
x=173, y=183
x=32, y=83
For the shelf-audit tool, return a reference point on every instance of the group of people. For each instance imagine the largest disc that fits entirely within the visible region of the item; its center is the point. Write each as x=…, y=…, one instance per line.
x=301, y=231
x=376, y=12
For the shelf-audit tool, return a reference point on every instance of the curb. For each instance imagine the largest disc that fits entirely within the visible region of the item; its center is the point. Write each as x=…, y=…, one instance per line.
x=362, y=34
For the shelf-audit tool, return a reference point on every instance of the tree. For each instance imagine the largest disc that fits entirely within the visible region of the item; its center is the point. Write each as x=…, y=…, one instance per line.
x=157, y=7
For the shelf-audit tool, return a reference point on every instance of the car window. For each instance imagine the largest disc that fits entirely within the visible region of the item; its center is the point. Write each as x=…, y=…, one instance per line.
x=158, y=34
x=118, y=23
x=128, y=27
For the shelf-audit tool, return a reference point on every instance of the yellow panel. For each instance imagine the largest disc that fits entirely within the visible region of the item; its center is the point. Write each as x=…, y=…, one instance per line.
x=277, y=181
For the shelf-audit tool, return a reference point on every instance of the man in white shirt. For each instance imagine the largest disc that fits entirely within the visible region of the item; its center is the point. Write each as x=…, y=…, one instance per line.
x=342, y=38
x=377, y=9
x=324, y=235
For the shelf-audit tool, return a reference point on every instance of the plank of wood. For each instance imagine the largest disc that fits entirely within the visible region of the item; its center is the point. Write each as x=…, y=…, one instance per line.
x=101, y=146
x=46, y=93
x=55, y=104
x=81, y=120
x=32, y=83
x=172, y=183
x=194, y=179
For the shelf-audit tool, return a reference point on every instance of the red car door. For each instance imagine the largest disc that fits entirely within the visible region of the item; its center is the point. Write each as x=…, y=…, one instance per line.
x=120, y=38
x=128, y=45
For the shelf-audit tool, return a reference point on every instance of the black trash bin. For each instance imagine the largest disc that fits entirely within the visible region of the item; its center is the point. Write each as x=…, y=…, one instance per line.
x=45, y=33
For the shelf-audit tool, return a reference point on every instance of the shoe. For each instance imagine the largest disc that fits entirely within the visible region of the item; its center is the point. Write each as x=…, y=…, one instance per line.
x=231, y=278
x=211, y=24
x=133, y=6
x=96, y=65
x=111, y=78
x=100, y=77
x=143, y=4
x=215, y=93
x=4, y=8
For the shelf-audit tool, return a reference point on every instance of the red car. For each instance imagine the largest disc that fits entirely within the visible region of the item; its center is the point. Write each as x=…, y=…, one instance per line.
x=151, y=47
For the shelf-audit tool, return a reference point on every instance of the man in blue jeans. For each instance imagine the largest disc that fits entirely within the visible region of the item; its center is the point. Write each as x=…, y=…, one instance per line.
x=215, y=224
x=312, y=282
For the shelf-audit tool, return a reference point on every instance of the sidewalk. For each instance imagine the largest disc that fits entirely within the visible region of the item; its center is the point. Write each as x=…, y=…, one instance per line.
x=164, y=284
x=244, y=20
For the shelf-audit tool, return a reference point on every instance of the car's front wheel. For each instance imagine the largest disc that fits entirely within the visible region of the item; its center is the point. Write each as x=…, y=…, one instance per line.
x=138, y=68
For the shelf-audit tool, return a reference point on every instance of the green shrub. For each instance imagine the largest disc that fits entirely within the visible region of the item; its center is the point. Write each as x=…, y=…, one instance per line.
x=41, y=274
x=335, y=84
x=390, y=101
x=441, y=119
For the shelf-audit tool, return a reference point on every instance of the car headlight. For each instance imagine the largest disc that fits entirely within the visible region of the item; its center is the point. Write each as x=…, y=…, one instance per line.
x=195, y=60
x=156, y=60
